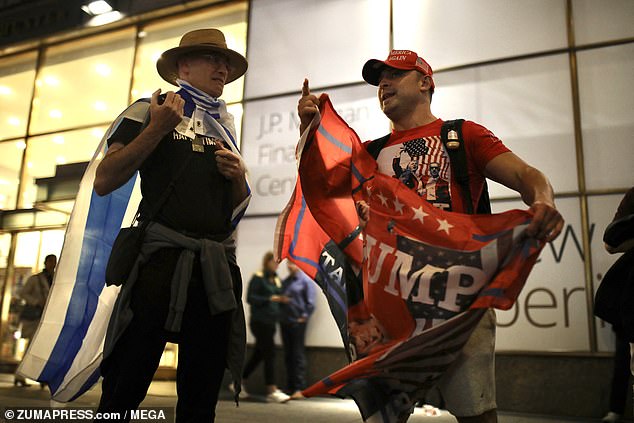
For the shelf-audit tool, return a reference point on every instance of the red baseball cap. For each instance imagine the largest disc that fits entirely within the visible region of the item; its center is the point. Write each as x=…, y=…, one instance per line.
x=398, y=59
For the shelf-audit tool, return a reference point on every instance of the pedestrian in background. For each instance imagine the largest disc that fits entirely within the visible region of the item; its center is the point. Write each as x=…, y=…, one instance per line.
x=299, y=289
x=264, y=295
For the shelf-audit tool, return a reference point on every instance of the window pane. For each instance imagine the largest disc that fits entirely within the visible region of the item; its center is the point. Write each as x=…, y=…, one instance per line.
x=52, y=242
x=271, y=133
x=55, y=165
x=526, y=103
x=601, y=211
x=606, y=78
x=83, y=82
x=10, y=161
x=157, y=38
x=551, y=312
x=26, y=249
x=337, y=37
x=5, y=244
x=455, y=32
x=602, y=20
x=17, y=74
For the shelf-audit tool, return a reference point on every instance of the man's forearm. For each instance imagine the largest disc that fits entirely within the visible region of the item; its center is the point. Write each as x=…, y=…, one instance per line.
x=119, y=166
x=534, y=186
x=239, y=192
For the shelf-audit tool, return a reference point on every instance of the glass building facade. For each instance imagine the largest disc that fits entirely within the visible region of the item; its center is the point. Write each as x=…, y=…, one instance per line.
x=552, y=79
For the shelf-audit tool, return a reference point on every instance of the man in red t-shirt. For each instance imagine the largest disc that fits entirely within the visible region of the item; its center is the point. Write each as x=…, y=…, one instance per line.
x=405, y=88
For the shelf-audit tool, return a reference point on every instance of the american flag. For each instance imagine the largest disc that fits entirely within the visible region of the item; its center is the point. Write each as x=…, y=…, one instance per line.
x=416, y=148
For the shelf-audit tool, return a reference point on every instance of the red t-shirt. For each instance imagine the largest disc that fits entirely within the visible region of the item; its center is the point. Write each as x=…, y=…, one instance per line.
x=418, y=158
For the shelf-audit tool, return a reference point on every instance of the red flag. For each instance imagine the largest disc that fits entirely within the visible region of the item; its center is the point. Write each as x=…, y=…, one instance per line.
x=427, y=274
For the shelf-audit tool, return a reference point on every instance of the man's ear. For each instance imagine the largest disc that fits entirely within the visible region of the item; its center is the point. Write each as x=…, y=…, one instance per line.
x=182, y=66
x=425, y=82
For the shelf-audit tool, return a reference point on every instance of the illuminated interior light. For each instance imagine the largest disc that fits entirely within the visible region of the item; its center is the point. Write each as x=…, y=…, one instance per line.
x=104, y=19
x=103, y=69
x=60, y=160
x=29, y=165
x=4, y=90
x=100, y=105
x=98, y=7
x=55, y=114
x=142, y=34
x=4, y=182
x=21, y=145
x=97, y=133
x=58, y=139
x=51, y=80
x=13, y=121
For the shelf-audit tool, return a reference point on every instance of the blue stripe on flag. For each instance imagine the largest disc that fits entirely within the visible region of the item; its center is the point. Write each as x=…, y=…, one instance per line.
x=92, y=379
x=298, y=224
x=492, y=292
x=333, y=140
x=102, y=226
x=327, y=381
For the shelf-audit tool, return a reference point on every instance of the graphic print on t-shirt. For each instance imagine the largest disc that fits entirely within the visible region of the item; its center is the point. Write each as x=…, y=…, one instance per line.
x=422, y=165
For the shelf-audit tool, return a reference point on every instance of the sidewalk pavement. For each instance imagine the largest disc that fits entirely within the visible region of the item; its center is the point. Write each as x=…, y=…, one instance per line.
x=255, y=409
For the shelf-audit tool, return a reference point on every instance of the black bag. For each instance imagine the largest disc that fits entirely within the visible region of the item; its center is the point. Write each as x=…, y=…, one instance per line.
x=31, y=312
x=125, y=251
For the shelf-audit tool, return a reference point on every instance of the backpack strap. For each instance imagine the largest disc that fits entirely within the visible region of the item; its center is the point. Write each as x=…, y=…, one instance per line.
x=451, y=136
x=452, y=139
x=374, y=147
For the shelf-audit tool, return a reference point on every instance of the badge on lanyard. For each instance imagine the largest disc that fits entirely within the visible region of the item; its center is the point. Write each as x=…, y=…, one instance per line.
x=197, y=145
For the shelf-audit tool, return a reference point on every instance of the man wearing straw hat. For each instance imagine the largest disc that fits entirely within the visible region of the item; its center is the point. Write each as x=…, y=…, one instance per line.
x=186, y=285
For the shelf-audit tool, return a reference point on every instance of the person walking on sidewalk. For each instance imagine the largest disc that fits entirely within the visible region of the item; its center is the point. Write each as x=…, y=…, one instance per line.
x=264, y=295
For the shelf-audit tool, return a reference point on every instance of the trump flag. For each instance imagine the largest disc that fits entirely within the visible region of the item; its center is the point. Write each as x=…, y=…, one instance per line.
x=416, y=280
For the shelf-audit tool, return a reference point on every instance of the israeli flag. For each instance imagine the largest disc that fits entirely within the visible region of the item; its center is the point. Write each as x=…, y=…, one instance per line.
x=67, y=348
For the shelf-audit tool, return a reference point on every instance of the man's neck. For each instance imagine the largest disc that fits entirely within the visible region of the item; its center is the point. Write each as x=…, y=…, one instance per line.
x=413, y=121
x=419, y=116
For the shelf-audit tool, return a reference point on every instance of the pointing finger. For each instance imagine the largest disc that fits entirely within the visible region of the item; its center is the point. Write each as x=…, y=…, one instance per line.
x=305, y=89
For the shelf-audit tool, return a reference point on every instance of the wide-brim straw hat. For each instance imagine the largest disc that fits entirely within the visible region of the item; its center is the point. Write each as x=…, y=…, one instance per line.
x=200, y=40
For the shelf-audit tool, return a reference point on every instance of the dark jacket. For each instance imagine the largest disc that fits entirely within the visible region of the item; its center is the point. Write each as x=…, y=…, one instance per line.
x=614, y=300
x=259, y=294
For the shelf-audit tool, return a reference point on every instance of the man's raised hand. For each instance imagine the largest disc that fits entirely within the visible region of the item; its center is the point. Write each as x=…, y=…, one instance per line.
x=167, y=115
x=307, y=107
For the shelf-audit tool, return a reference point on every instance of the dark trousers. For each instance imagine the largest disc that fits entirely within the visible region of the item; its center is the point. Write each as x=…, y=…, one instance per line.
x=202, y=349
x=620, y=375
x=264, y=351
x=293, y=337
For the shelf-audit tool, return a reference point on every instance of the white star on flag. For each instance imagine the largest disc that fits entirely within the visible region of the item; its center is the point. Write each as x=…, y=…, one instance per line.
x=443, y=225
x=419, y=214
x=398, y=206
x=382, y=198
